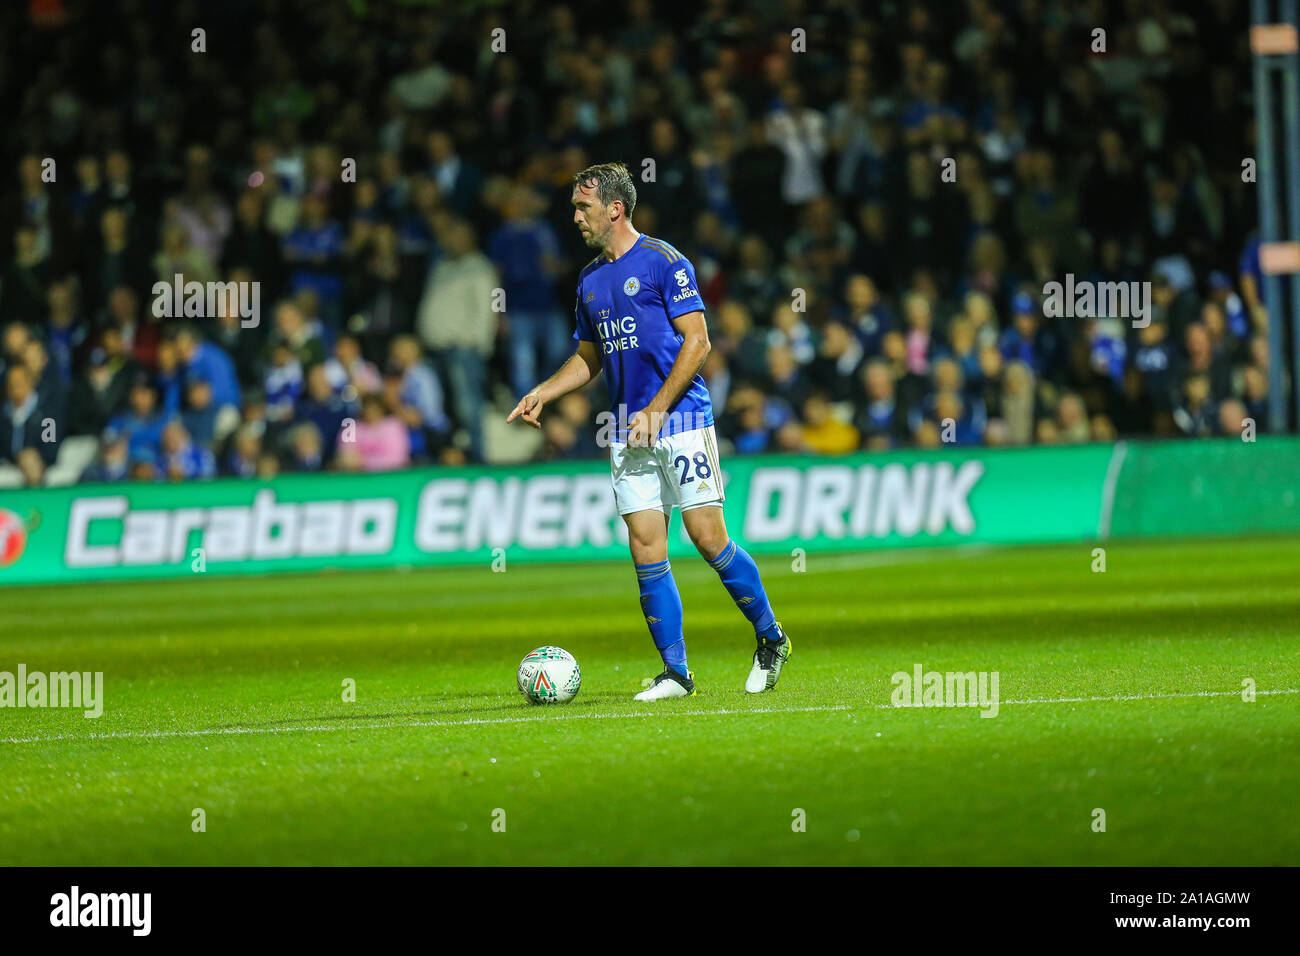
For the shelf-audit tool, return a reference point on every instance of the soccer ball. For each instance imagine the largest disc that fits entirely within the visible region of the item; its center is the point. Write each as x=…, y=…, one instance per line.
x=549, y=675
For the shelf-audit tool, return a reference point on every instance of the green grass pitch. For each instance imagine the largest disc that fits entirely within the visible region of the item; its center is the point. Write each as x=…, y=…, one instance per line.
x=1119, y=690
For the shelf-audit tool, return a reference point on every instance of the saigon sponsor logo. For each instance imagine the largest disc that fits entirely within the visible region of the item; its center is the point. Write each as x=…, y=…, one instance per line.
x=683, y=283
x=264, y=530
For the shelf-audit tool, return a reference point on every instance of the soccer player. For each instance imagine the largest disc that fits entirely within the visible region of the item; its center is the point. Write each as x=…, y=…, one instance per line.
x=640, y=320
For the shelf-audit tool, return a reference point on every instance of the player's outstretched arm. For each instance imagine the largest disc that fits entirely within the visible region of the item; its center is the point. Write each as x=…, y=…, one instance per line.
x=581, y=367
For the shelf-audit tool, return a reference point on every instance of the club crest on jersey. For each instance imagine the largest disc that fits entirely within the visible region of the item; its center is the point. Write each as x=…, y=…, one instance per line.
x=632, y=286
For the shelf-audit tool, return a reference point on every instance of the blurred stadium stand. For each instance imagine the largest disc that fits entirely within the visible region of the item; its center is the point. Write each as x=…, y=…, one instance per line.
x=775, y=170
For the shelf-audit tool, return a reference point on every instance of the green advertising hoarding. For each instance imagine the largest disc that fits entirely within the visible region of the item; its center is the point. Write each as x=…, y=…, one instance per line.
x=1208, y=487
x=446, y=516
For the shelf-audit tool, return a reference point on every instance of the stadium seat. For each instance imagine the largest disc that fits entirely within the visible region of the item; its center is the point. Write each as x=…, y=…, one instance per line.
x=75, y=455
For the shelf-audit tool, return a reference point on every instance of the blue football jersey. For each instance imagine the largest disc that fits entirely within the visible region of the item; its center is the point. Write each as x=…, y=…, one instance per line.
x=626, y=307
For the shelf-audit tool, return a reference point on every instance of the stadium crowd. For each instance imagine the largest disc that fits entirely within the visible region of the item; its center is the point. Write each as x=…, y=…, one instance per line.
x=862, y=291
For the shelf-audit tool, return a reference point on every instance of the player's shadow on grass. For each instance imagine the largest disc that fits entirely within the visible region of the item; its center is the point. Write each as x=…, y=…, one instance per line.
x=459, y=705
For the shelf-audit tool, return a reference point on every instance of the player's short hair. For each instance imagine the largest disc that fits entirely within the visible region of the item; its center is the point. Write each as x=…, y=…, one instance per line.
x=612, y=181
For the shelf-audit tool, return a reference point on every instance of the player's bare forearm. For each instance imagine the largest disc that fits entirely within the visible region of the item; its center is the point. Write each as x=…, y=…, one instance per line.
x=582, y=366
x=695, y=349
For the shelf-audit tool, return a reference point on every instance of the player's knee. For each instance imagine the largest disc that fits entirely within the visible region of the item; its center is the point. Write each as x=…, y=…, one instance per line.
x=649, y=554
x=647, y=549
x=710, y=541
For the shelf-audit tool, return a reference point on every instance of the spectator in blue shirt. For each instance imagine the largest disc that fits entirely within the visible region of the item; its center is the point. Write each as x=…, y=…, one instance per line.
x=306, y=453
x=205, y=360
x=1020, y=342
x=966, y=421
x=142, y=424
x=66, y=328
x=526, y=252
x=182, y=459
x=419, y=399
x=23, y=436
x=314, y=252
x=1107, y=350
x=865, y=313
x=245, y=450
x=169, y=378
x=200, y=417
x=749, y=422
x=879, y=421
x=321, y=406
x=283, y=382
x=144, y=465
x=111, y=464
x=1234, y=309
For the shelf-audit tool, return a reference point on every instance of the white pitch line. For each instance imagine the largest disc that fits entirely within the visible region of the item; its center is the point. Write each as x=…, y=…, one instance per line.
x=468, y=722
x=891, y=557
x=1193, y=694
x=474, y=721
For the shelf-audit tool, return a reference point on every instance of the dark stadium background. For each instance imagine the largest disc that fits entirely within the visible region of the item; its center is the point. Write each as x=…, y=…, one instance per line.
x=774, y=171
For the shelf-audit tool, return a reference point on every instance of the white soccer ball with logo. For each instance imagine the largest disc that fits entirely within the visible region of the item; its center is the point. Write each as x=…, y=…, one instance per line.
x=549, y=675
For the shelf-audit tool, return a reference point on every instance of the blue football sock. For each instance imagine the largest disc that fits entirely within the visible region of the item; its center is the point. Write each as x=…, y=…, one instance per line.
x=739, y=574
x=662, y=607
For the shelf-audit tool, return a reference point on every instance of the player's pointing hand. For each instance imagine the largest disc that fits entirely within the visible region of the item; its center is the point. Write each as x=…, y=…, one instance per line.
x=530, y=407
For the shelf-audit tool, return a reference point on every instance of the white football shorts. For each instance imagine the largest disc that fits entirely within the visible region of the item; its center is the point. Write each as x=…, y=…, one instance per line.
x=680, y=469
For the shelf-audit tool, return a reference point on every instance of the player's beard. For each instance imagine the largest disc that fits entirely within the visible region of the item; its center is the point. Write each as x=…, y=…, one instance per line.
x=593, y=240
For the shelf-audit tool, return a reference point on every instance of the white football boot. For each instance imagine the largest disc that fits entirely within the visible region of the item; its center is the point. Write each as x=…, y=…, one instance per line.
x=768, y=661
x=669, y=684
